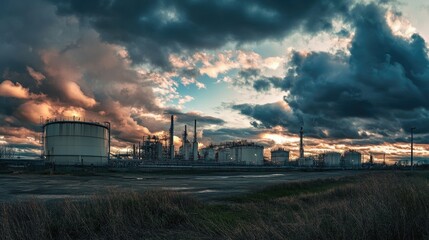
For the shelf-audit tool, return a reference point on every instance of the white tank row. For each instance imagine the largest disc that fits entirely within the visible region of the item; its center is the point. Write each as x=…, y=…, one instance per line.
x=350, y=158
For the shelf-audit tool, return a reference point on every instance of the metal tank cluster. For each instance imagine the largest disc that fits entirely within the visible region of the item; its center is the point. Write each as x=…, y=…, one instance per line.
x=349, y=159
x=239, y=152
x=162, y=149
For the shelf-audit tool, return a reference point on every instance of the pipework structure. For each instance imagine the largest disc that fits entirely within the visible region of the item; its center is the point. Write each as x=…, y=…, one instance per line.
x=151, y=149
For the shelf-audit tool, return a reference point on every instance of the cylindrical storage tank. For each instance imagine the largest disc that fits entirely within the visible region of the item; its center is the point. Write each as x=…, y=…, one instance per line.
x=280, y=156
x=352, y=159
x=332, y=159
x=249, y=154
x=73, y=143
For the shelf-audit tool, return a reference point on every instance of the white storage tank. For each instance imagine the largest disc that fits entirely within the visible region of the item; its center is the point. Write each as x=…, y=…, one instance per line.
x=250, y=153
x=280, y=156
x=76, y=143
x=332, y=159
x=352, y=159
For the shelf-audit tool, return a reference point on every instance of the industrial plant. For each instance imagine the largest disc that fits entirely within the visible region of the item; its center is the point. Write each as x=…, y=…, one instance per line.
x=350, y=159
x=82, y=143
x=72, y=142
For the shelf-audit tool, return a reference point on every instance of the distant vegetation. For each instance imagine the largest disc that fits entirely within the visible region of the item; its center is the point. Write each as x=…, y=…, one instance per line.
x=7, y=152
x=373, y=206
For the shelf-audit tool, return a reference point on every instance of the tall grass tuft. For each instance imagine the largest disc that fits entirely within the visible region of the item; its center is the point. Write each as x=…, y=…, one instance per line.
x=118, y=215
x=373, y=206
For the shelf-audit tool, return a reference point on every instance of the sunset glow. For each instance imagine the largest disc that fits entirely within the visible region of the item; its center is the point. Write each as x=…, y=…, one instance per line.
x=354, y=75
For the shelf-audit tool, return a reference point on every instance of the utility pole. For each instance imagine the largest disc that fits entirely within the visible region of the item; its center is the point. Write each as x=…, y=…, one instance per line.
x=301, y=144
x=412, y=148
x=384, y=158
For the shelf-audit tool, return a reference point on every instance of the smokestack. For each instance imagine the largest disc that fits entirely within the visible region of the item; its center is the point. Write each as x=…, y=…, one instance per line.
x=172, y=138
x=195, y=143
x=185, y=145
x=301, y=144
x=195, y=130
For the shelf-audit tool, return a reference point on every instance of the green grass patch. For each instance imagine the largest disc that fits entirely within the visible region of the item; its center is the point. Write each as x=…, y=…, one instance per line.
x=292, y=189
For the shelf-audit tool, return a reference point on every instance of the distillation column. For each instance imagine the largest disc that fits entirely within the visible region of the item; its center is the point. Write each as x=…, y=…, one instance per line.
x=185, y=145
x=195, y=143
x=301, y=144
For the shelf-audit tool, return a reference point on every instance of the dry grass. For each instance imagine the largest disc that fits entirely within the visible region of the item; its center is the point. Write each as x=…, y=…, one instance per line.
x=119, y=215
x=376, y=206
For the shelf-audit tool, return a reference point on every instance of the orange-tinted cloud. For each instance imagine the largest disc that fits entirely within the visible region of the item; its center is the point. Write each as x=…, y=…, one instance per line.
x=35, y=75
x=9, y=89
x=34, y=110
x=74, y=93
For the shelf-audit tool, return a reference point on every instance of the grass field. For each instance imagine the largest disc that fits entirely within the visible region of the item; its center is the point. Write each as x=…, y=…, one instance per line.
x=371, y=206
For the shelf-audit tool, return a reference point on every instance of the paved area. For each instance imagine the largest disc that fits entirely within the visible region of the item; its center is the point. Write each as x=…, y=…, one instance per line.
x=210, y=186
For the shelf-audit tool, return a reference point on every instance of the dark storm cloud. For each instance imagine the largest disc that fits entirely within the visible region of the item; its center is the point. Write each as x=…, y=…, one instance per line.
x=189, y=117
x=275, y=114
x=151, y=29
x=380, y=87
x=229, y=134
x=253, y=77
x=262, y=85
x=65, y=68
x=269, y=114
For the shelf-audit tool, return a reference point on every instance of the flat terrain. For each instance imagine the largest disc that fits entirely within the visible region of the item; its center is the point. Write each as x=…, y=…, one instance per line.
x=203, y=186
x=374, y=205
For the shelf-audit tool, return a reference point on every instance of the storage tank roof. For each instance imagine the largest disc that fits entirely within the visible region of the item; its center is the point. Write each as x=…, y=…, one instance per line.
x=49, y=122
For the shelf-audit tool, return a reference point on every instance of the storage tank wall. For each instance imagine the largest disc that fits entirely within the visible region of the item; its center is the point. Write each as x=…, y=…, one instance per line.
x=332, y=159
x=76, y=143
x=352, y=159
x=280, y=156
x=251, y=155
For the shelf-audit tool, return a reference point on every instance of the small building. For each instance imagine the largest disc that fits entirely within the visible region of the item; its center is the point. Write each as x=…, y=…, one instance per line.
x=280, y=156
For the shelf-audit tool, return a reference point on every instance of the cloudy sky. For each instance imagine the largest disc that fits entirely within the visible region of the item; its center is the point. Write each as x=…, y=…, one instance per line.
x=354, y=74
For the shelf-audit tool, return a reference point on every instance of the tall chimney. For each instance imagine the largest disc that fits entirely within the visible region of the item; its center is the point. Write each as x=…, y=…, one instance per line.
x=301, y=144
x=195, y=143
x=185, y=145
x=172, y=138
x=195, y=130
